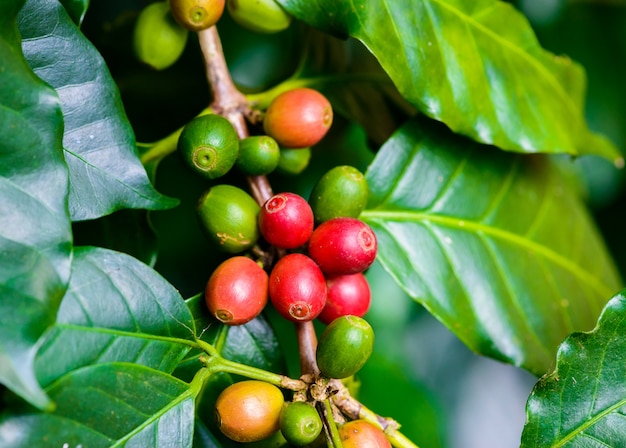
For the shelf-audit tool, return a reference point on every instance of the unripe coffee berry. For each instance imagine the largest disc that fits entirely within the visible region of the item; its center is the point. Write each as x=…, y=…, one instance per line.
x=209, y=145
x=261, y=16
x=342, y=246
x=346, y=295
x=286, y=220
x=298, y=118
x=197, y=15
x=293, y=161
x=300, y=423
x=344, y=346
x=249, y=411
x=229, y=216
x=362, y=434
x=297, y=288
x=237, y=291
x=341, y=192
x=158, y=40
x=258, y=155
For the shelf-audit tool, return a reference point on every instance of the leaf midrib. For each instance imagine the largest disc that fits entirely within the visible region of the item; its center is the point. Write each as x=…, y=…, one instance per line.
x=496, y=233
x=129, y=334
x=580, y=429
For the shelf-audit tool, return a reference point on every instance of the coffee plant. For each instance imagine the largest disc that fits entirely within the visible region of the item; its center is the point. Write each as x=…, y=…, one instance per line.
x=195, y=192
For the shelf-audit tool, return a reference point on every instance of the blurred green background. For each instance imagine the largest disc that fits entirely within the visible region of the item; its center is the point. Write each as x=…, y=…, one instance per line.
x=444, y=395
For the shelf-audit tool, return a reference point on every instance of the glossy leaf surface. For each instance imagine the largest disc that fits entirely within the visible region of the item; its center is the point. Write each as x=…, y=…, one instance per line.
x=35, y=233
x=105, y=405
x=116, y=309
x=582, y=403
x=499, y=247
x=476, y=66
x=105, y=171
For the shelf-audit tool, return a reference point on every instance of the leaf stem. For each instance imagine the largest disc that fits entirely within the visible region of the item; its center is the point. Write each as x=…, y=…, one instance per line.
x=333, y=440
x=263, y=99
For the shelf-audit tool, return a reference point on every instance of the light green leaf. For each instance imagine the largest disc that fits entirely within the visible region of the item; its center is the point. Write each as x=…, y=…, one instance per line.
x=497, y=246
x=105, y=172
x=477, y=66
x=110, y=405
x=35, y=231
x=116, y=309
x=582, y=403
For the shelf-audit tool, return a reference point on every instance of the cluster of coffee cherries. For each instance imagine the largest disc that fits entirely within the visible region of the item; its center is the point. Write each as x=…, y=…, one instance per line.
x=320, y=250
x=253, y=411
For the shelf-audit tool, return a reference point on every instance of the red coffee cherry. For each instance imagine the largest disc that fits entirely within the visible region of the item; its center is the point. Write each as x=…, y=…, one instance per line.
x=298, y=118
x=346, y=295
x=237, y=291
x=342, y=246
x=286, y=220
x=362, y=434
x=297, y=288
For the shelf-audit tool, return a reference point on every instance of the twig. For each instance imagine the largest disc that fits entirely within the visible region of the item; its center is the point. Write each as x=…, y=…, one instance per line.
x=307, y=343
x=228, y=101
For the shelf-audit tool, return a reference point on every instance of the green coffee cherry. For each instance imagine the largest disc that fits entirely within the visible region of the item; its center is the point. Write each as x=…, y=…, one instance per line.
x=261, y=16
x=300, y=423
x=258, y=155
x=341, y=192
x=229, y=216
x=293, y=161
x=158, y=41
x=344, y=346
x=209, y=145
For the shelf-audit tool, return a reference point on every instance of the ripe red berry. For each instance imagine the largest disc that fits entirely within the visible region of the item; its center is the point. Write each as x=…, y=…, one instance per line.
x=297, y=288
x=342, y=246
x=286, y=220
x=237, y=291
x=346, y=295
x=298, y=118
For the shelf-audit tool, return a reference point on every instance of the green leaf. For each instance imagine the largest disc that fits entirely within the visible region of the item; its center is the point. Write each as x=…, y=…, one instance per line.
x=109, y=405
x=116, y=309
x=105, y=172
x=477, y=66
x=499, y=247
x=583, y=401
x=35, y=232
x=254, y=343
x=76, y=9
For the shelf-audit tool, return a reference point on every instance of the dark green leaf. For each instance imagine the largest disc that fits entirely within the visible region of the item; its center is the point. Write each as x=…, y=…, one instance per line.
x=582, y=403
x=254, y=343
x=202, y=437
x=476, y=66
x=116, y=309
x=35, y=232
x=499, y=247
x=105, y=405
x=76, y=9
x=128, y=231
x=105, y=171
